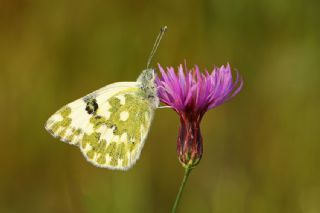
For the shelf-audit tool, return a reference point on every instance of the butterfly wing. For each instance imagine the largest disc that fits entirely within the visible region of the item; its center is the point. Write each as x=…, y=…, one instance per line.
x=109, y=125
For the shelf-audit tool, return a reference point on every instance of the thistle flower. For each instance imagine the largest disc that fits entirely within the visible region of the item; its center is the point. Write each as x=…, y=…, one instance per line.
x=191, y=94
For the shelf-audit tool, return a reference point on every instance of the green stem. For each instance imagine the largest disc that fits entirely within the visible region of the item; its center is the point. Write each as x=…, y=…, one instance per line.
x=183, y=183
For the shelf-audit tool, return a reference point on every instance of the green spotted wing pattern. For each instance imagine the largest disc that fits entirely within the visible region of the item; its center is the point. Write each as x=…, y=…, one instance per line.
x=109, y=125
x=116, y=139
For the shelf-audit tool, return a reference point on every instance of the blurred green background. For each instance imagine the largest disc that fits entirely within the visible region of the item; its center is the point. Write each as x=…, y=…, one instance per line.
x=261, y=149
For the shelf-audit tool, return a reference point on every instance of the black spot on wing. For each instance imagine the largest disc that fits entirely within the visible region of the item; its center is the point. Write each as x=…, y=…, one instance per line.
x=92, y=106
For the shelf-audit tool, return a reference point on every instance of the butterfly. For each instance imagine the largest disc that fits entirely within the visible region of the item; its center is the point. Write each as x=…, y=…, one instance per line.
x=110, y=125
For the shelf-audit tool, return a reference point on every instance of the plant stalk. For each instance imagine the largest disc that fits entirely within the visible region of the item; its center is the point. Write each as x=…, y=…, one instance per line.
x=183, y=183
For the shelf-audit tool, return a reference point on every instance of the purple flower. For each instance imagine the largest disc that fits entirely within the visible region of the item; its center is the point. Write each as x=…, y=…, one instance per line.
x=191, y=93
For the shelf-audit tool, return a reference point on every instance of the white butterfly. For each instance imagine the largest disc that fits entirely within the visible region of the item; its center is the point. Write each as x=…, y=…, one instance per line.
x=111, y=124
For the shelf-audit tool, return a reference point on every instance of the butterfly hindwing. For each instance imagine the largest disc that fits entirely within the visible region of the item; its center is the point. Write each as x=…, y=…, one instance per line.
x=109, y=125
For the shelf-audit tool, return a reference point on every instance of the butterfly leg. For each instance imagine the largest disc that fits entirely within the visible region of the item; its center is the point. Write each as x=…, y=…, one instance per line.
x=163, y=107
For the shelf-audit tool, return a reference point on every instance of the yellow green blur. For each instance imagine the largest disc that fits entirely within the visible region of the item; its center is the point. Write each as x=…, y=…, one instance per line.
x=261, y=149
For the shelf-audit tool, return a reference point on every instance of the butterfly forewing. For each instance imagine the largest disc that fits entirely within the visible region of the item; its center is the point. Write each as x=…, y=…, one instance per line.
x=109, y=125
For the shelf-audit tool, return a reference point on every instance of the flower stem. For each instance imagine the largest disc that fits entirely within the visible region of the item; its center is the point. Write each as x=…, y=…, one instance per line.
x=183, y=183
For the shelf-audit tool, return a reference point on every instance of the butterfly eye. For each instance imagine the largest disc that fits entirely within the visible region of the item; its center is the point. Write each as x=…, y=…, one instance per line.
x=150, y=75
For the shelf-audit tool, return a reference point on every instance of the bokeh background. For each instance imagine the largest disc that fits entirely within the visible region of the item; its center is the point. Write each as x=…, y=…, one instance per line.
x=261, y=149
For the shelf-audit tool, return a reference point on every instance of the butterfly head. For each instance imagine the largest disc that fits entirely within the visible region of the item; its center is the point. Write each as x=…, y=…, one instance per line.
x=147, y=75
x=148, y=86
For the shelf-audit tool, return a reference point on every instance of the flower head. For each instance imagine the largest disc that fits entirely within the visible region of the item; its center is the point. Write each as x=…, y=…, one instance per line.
x=191, y=93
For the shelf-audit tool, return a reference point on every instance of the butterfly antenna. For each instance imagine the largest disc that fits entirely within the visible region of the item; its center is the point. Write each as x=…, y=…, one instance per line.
x=156, y=44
